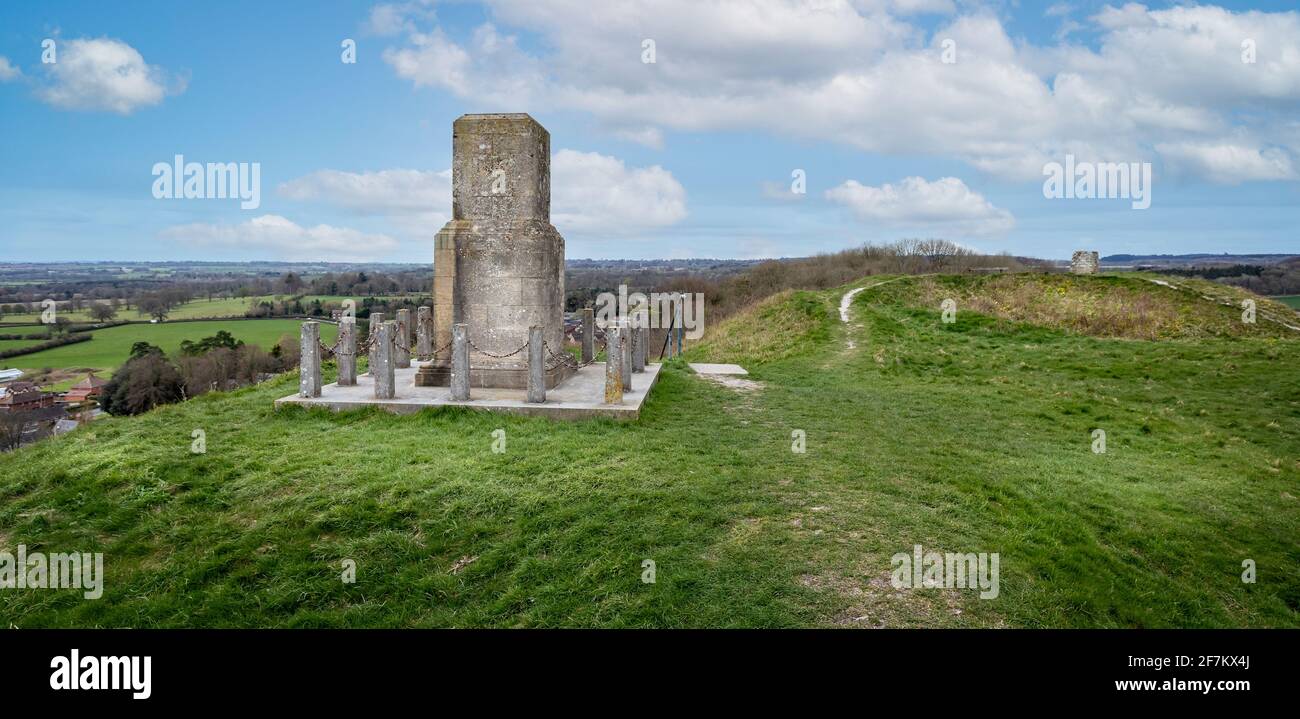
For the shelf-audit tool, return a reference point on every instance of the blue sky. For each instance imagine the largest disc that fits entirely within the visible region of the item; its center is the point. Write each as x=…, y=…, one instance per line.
x=688, y=156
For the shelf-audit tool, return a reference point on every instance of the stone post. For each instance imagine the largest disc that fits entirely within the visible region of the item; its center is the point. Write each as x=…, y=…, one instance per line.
x=376, y=319
x=424, y=333
x=309, y=367
x=347, y=352
x=640, y=338
x=625, y=344
x=459, y=362
x=634, y=339
x=536, y=365
x=613, y=365
x=677, y=322
x=381, y=349
x=402, y=340
x=588, y=335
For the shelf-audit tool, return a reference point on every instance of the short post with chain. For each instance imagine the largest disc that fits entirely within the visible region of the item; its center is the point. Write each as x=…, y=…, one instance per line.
x=346, y=354
x=381, y=349
x=536, y=365
x=376, y=319
x=309, y=360
x=459, y=363
x=613, y=365
x=402, y=342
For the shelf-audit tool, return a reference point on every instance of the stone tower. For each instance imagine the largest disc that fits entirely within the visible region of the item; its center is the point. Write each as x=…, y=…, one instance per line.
x=1084, y=262
x=498, y=265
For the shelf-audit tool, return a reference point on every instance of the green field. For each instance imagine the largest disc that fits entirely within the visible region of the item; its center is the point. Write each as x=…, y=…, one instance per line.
x=234, y=307
x=1290, y=301
x=110, y=347
x=975, y=436
x=196, y=309
x=17, y=344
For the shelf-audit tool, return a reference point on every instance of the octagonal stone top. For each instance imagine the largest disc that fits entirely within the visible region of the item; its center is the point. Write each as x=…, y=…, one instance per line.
x=501, y=168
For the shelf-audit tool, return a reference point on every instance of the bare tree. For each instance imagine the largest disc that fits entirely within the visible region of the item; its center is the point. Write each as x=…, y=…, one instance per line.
x=12, y=426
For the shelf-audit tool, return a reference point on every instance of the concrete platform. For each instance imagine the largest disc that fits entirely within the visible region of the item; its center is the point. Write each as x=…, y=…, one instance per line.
x=579, y=397
x=707, y=368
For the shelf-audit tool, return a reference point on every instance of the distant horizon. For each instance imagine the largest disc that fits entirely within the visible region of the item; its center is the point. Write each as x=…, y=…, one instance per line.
x=374, y=263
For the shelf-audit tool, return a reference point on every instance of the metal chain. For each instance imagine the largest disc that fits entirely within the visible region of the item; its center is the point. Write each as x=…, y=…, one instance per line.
x=481, y=351
x=564, y=358
x=433, y=354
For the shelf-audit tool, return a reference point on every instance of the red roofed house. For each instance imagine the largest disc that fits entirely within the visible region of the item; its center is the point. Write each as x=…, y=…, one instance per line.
x=23, y=396
x=89, y=388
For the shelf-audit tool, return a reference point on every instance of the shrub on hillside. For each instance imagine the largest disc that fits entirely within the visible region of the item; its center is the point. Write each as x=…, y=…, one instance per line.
x=56, y=342
x=143, y=383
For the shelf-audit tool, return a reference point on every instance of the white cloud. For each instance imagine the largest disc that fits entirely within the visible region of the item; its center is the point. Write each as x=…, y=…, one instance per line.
x=103, y=74
x=396, y=18
x=651, y=137
x=1228, y=163
x=923, y=7
x=779, y=191
x=946, y=205
x=285, y=239
x=8, y=71
x=387, y=192
x=590, y=193
x=859, y=73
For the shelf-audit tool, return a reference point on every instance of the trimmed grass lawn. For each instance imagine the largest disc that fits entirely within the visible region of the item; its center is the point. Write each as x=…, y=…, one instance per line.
x=17, y=344
x=968, y=437
x=1290, y=301
x=111, y=346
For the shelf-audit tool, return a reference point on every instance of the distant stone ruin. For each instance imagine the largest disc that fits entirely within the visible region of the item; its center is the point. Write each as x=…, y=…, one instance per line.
x=1084, y=262
x=499, y=263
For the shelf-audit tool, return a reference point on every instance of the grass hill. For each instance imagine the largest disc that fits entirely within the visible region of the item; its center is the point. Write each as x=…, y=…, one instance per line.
x=974, y=436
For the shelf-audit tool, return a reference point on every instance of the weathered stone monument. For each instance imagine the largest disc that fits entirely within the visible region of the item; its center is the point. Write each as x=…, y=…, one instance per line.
x=499, y=263
x=1084, y=262
x=494, y=338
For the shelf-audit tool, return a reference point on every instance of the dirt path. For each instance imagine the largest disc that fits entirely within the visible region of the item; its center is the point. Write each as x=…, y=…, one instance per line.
x=847, y=300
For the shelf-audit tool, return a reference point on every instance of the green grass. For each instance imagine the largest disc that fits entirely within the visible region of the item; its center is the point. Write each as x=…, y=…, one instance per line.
x=195, y=309
x=233, y=307
x=966, y=437
x=1290, y=301
x=17, y=344
x=111, y=346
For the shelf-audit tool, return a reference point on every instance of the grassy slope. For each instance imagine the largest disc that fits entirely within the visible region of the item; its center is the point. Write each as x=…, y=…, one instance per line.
x=965, y=437
x=112, y=346
x=1292, y=301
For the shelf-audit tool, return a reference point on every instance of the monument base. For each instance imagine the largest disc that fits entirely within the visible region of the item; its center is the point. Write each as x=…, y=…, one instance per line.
x=490, y=377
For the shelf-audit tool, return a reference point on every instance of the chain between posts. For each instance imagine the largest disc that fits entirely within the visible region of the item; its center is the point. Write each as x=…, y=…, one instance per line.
x=363, y=347
x=564, y=358
x=482, y=351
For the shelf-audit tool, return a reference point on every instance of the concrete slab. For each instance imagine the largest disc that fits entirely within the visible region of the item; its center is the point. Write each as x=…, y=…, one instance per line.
x=706, y=368
x=579, y=397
